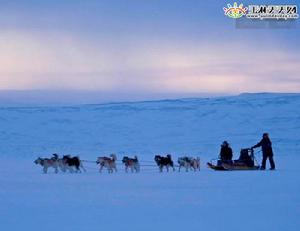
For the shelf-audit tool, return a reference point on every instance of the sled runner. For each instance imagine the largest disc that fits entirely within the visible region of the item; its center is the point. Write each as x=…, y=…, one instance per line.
x=239, y=167
x=216, y=167
x=245, y=162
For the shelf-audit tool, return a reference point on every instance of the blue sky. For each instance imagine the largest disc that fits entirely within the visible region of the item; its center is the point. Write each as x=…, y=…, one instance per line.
x=176, y=47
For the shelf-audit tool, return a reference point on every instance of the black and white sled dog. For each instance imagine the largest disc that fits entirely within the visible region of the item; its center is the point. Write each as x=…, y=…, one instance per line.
x=72, y=164
x=132, y=163
x=107, y=162
x=189, y=163
x=48, y=163
x=162, y=161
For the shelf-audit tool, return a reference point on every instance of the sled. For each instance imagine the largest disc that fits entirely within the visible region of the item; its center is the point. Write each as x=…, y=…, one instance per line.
x=245, y=162
x=231, y=167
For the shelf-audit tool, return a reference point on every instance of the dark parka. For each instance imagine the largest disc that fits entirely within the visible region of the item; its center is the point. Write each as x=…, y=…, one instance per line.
x=226, y=153
x=266, y=146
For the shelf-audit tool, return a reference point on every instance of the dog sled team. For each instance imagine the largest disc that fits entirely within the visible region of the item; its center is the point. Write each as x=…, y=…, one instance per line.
x=74, y=164
x=246, y=161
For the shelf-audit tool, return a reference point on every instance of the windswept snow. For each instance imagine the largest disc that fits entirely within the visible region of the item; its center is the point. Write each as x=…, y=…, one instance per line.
x=205, y=200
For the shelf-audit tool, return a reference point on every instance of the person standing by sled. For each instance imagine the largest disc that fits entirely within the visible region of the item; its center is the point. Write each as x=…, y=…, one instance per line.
x=225, y=154
x=266, y=147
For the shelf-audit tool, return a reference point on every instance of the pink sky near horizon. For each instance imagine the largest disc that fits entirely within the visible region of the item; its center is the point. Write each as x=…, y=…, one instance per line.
x=60, y=61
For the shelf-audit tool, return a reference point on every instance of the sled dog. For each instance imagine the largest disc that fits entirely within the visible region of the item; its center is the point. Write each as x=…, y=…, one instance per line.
x=132, y=163
x=164, y=162
x=107, y=162
x=71, y=164
x=47, y=163
x=189, y=163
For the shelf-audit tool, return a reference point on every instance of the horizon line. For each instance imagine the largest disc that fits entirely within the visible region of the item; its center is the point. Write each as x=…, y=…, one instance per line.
x=68, y=102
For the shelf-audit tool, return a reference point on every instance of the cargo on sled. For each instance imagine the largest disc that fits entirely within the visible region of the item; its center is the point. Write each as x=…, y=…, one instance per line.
x=246, y=161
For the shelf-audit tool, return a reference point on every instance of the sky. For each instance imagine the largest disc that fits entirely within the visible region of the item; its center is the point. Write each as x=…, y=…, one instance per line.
x=153, y=48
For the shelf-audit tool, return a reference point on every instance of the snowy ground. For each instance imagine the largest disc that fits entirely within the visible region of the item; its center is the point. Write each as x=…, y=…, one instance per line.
x=206, y=200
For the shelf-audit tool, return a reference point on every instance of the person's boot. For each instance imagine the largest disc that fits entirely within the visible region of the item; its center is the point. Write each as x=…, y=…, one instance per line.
x=262, y=168
x=272, y=168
